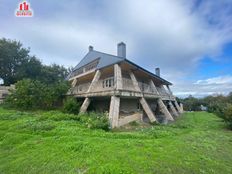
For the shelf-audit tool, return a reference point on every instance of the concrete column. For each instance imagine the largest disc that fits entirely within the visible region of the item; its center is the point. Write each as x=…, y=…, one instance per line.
x=94, y=81
x=177, y=107
x=86, y=102
x=117, y=77
x=74, y=82
x=164, y=110
x=181, y=107
x=114, y=111
x=85, y=105
x=169, y=89
x=147, y=109
x=134, y=81
x=153, y=87
x=175, y=113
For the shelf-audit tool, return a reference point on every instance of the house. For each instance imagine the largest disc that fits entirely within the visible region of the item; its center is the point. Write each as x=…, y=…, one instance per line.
x=128, y=92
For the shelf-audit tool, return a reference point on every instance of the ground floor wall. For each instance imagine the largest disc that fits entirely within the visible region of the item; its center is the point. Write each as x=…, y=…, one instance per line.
x=130, y=109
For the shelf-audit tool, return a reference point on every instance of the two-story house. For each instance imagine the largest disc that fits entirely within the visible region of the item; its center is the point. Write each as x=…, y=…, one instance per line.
x=128, y=92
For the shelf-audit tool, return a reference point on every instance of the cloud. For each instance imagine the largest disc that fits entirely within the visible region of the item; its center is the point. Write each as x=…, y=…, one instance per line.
x=200, y=88
x=215, y=80
x=174, y=35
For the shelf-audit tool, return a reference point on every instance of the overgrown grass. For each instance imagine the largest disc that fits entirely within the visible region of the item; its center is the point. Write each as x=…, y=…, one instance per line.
x=54, y=142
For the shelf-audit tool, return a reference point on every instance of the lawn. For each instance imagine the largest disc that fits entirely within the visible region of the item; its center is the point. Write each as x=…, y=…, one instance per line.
x=48, y=142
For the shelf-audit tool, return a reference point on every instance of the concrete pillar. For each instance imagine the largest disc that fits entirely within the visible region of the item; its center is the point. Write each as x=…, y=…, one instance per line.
x=85, y=105
x=117, y=77
x=114, y=111
x=164, y=110
x=177, y=107
x=147, y=109
x=74, y=82
x=86, y=102
x=153, y=87
x=134, y=81
x=175, y=113
x=181, y=107
x=94, y=81
x=169, y=89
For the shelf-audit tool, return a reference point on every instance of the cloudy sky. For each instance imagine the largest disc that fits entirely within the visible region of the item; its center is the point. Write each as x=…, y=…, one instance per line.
x=191, y=41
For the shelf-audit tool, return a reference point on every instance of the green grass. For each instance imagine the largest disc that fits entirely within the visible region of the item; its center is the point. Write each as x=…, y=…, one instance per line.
x=40, y=142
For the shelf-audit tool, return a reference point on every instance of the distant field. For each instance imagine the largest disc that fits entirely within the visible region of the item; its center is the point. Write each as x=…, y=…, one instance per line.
x=44, y=142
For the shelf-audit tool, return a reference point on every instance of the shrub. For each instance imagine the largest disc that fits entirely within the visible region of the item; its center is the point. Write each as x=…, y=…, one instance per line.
x=94, y=120
x=228, y=115
x=33, y=94
x=71, y=106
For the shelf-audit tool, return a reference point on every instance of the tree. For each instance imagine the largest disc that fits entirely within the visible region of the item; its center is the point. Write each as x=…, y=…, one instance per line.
x=16, y=64
x=33, y=94
x=12, y=55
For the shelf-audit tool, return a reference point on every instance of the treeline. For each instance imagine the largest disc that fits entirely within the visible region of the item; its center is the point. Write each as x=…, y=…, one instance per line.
x=37, y=86
x=220, y=105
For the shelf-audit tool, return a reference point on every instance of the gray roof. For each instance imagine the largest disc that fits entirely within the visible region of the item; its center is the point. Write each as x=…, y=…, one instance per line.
x=108, y=59
x=104, y=59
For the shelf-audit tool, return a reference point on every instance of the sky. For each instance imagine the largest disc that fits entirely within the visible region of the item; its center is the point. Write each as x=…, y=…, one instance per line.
x=191, y=41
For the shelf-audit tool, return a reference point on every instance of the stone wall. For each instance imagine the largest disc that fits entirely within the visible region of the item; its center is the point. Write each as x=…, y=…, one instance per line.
x=4, y=91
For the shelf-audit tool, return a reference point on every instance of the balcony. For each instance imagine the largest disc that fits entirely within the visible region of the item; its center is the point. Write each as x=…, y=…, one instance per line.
x=107, y=85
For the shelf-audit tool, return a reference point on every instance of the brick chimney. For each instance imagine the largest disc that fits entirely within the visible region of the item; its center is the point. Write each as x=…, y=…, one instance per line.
x=122, y=50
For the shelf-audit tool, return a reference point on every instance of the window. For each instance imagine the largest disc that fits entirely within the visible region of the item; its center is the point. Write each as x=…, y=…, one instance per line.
x=108, y=83
x=86, y=68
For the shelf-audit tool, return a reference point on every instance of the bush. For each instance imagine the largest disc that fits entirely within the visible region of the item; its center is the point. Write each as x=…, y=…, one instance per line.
x=94, y=120
x=71, y=106
x=33, y=94
x=228, y=115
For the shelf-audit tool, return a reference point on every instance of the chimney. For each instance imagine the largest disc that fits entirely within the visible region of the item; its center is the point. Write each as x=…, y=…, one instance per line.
x=157, y=71
x=90, y=48
x=122, y=50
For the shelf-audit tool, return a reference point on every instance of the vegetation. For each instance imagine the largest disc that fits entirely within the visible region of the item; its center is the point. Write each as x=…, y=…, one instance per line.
x=38, y=86
x=17, y=64
x=219, y=105
x=55, y=142
x=33, y=94
x=71, y=106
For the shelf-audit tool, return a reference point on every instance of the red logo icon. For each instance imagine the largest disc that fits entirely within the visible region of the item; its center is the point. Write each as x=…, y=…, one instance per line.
x=24, y=10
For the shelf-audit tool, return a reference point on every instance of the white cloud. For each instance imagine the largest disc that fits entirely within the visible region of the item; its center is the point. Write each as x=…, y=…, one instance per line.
x=173, y=35
x=201, y=88
x=215, y=80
